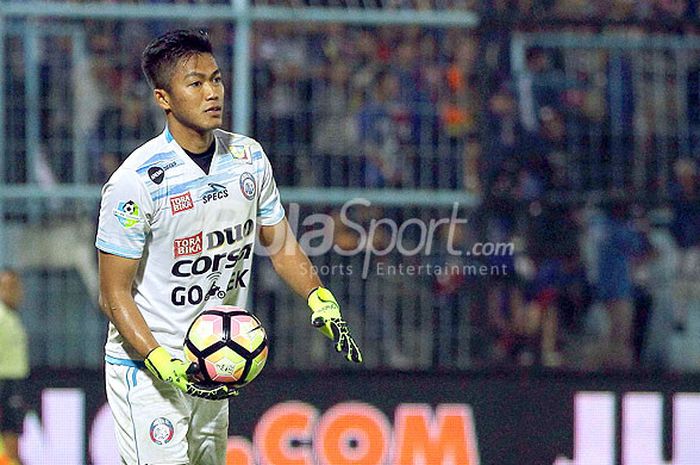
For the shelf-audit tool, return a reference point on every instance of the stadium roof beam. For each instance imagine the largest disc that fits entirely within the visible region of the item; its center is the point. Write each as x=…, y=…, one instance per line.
x=365, y=16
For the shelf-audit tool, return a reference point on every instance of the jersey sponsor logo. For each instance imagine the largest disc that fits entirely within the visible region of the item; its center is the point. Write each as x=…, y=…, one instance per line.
x=229, y=235
x=248, y=187
x=162, y=431
x=127, y=213
x=156, y=173
x=209, y=264
x=181, y=203
x=191, y=245
x=211, y=267
x=215, y=192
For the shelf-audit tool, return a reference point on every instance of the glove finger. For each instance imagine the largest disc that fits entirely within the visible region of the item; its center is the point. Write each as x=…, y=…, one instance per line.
x=337, y=327
x=356, y=355
x=342, y=345
x=351, y=354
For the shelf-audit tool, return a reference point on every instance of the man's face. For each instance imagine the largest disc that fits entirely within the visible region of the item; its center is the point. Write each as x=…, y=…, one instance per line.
x=11, y=291
x=196, y=94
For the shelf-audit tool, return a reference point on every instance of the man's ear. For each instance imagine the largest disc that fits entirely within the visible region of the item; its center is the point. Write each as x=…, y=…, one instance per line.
x=162, y=99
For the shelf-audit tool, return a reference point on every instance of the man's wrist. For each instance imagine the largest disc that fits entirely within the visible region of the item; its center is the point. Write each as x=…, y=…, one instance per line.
x=308, y=295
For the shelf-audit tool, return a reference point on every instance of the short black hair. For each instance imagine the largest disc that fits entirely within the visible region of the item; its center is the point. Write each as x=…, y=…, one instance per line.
x=163, y=53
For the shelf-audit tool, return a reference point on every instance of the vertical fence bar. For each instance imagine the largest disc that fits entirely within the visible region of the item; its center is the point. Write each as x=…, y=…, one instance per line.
x=32, y=101
x=619, y=154
x=80, y=159
x=3, y=161
x=242, y=80
x=681, y=84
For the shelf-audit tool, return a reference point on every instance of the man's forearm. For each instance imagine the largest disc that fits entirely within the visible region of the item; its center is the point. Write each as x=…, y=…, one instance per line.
x=295, y=268
x=129, y=321
x=290, y=261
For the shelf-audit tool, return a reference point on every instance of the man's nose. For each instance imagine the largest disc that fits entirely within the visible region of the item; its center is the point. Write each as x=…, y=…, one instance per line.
x=213, y=92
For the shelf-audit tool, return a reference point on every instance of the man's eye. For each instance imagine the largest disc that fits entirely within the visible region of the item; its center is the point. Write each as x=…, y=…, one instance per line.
x=217, y=79
x=195, y=84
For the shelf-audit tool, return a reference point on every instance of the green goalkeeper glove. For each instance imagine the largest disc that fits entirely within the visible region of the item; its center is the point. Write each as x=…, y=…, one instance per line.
x=208, y=391
x=176, y=372
x=327, y=318
x=167, y=368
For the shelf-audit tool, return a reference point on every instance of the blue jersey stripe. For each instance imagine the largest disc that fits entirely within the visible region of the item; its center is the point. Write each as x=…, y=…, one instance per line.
x=125, y=362
x=117, y=250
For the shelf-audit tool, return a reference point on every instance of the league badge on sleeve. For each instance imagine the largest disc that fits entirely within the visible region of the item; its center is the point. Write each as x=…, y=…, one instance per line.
x=127, y=213
x=162, y=431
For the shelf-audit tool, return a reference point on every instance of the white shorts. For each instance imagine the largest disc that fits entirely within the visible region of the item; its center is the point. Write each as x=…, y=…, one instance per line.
x=157, y=424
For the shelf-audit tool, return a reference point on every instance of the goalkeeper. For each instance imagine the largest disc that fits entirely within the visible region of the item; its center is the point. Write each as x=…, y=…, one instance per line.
x=178, y=217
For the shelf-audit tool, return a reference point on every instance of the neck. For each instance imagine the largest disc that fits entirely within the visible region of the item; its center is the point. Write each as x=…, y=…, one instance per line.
x=190, y=139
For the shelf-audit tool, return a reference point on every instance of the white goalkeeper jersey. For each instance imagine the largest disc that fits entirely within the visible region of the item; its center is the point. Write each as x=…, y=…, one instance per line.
x=193, y=232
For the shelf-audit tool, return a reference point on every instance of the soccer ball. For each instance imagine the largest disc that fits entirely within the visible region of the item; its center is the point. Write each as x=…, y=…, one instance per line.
x=228, y=343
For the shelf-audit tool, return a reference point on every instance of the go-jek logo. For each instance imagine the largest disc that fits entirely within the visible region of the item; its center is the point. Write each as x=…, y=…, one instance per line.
x=127, y=213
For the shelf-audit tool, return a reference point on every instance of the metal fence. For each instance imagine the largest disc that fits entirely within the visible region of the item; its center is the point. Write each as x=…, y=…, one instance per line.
x=626, y=103
x=75, y=105
x=350, y=100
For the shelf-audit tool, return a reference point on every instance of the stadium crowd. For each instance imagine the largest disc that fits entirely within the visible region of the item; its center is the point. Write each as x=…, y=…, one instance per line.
x=409, y=107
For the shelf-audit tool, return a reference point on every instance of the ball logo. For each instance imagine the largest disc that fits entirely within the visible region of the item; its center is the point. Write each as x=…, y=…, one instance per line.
x=127, y=213
x=181, y=203
x=156, y=173
x=162, y=431
x=225, y=367
x=248, y=186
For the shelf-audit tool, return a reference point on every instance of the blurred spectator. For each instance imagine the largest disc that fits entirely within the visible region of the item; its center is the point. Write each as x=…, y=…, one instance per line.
x=284, y=126
x=120, y=128
x=685, y=227
x=558, y=293
x=14, y=365
x=378, y=121
x=334, y=131
x=619, y=243
x=541, y=85
x=503, y=135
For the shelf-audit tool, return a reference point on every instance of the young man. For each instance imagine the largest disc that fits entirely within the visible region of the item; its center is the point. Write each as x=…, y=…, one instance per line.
x=14, y=366
x=177, y=221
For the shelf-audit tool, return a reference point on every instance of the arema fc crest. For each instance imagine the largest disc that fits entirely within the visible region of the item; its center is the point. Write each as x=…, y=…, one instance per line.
x=248, y=185
x=127, y=213
x=162, y=431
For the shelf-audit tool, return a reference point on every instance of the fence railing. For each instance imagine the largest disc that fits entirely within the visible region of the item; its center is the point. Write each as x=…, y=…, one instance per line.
x=350, y=102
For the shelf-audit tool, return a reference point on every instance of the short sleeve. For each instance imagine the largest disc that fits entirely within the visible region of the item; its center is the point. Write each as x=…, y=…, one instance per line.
x=124, y=212
x=270, y=209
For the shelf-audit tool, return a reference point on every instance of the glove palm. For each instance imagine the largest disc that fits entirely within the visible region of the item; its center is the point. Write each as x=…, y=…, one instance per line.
x=179, y=374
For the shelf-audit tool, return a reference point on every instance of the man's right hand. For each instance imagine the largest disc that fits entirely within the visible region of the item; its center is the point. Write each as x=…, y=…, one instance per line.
x=183, y=376
x=167, y=368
